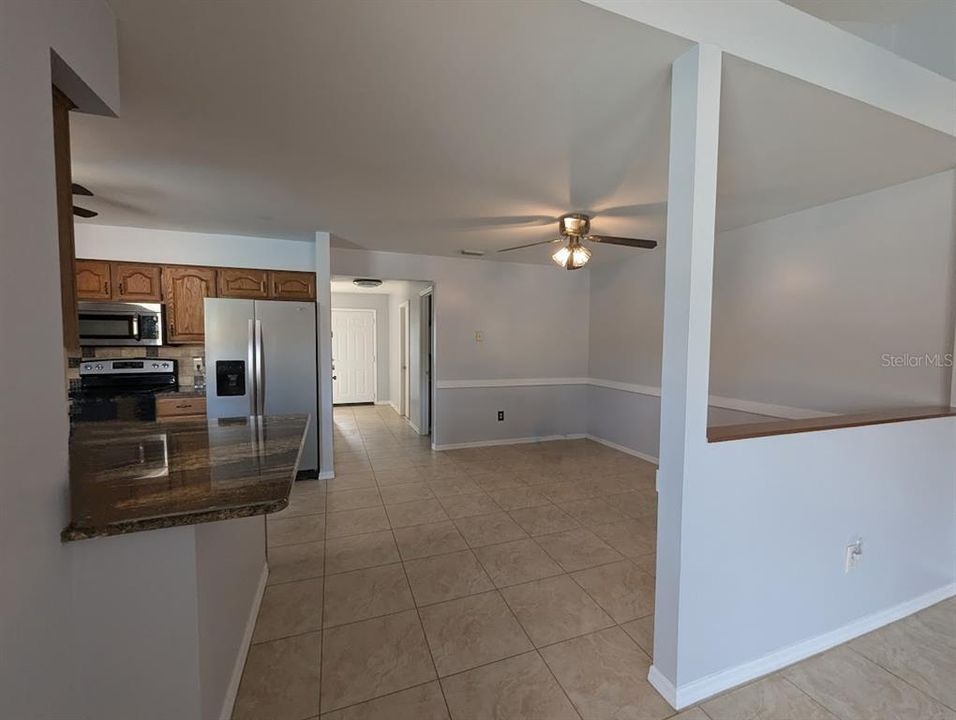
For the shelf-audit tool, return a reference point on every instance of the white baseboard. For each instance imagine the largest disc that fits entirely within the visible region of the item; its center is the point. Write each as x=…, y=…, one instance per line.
x=326, y=475
x=507, y=441
x=383, y=402
x=394, y=407
x=622, y=448
x=414, y=426
x=233, y=689
x=697, y=690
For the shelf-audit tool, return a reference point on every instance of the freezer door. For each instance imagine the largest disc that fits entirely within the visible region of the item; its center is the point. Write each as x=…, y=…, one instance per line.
x=287, y=365
x=230, y=367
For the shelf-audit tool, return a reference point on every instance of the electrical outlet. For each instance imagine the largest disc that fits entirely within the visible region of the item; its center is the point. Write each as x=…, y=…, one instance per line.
x=501, y=416
x=198, y=365
x=854, y=554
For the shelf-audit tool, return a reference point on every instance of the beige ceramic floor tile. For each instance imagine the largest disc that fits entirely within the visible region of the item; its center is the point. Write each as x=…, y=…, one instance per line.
x=693, y=714
x=555, y=609
x=459, y=506
x=565, y=491
x=635, y=504
x=472, y=631
x=629, y=538
x=355, y=522
x=543, y=519
x=360, y=551
x=454, y=486
x=395, y=494
x=773, y=698
x=431, y=539
x=420, y=512
x=578, y=549
x=626, y=592
x=312, y=503
x=519, y=497
x=496, y=481
x=363, y=594
x=605, y=675
x=519, y=688
x=647, y=563
x=353, y=499
x=296, y=562
x=488, y=529
x=288, y=609
x=424, y=702
x=919, y=651
x=350, y=481
x=642, y=632
x=445, y=577
x=280, y=680
x=308, y=528
x=516, y=562
x=373, y=657
x=592, y=511
x=854, y=688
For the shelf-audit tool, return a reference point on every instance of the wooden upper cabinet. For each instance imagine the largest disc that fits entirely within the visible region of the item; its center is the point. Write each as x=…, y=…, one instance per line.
x=93, y=280
x=242, y=283
x=287, y=285
x=184, y=290
x=136, y=282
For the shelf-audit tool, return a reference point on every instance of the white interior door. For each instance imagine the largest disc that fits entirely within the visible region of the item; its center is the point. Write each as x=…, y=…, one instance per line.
x=353, y=356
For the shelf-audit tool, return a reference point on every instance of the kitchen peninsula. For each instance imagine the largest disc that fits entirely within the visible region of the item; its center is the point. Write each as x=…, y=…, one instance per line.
x=171, y=564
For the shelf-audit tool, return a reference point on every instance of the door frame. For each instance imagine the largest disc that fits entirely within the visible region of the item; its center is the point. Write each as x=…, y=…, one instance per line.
x=374, y=313
x=426, y=360
x=404, y=359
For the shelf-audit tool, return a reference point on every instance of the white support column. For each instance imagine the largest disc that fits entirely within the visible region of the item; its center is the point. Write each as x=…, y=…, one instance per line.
x=691, y=210
x=323, y=319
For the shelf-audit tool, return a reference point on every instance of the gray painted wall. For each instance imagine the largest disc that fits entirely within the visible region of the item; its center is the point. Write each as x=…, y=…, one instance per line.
x=378, y=303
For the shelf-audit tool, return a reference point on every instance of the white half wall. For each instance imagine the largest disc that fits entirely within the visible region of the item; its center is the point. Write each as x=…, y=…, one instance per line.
x=805, y=306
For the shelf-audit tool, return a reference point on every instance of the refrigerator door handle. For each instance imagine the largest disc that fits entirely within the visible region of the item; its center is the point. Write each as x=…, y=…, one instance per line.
x=260, y=379
x=251, y=370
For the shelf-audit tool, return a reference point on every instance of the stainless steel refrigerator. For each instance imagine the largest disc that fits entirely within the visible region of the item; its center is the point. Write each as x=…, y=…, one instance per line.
x=261, y=360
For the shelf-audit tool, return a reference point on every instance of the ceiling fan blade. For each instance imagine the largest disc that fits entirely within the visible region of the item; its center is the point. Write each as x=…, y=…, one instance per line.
x=527, y=245
x=501, y=221
x=627, y=242
x=84, y=213
x=80, y=190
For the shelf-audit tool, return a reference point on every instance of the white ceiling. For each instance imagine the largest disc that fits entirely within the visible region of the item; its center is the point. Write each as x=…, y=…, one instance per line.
x=342, y=284
x=876, y=11
x=431, y=127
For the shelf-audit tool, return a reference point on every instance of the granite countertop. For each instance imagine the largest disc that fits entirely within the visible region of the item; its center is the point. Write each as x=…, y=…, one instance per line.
x=133, y=476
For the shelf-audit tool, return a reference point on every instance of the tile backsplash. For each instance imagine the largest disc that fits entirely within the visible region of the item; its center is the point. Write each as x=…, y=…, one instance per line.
x=183, y=354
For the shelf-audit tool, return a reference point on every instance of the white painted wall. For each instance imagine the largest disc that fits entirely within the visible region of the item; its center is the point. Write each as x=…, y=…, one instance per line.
x=38, y=677
x=533, y=321
x=378, y=303
x=804, y=309
x=173, y=246
x=926, y=35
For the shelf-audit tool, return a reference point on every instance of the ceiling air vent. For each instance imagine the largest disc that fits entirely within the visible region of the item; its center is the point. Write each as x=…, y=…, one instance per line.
x=472, y=253
x=367, y=282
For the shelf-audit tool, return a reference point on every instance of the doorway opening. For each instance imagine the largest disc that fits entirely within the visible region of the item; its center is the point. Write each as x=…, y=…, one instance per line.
x=383, y=348
x=354, y=357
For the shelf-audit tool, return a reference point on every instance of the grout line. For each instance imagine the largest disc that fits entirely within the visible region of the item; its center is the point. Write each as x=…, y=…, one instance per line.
x=891, y=672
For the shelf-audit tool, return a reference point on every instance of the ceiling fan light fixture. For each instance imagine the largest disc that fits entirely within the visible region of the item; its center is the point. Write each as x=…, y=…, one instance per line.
x=572, y=256
x=575, y=224
x=367, y=282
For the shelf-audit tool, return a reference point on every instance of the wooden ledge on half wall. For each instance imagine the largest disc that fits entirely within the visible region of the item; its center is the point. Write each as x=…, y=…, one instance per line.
x=723, y=433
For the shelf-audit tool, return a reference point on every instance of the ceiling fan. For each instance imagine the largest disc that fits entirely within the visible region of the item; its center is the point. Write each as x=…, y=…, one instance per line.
x=575, y=227
x=80, y=211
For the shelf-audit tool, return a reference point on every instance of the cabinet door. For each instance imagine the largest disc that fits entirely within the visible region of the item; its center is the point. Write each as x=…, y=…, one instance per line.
x=288, y=285
x=184, y=290
x=136, y=281
x=93, y=280
x=242, y=283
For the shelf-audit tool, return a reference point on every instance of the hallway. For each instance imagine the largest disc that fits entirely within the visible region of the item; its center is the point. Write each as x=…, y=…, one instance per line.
x=514, y=582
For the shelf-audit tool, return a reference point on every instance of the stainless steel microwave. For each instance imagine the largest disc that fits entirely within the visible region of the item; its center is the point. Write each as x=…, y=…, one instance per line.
x=121, y=323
